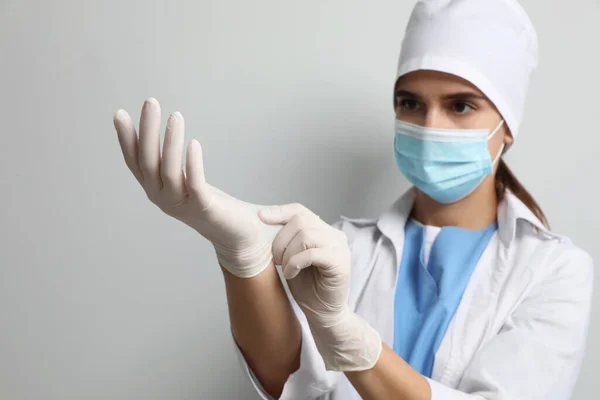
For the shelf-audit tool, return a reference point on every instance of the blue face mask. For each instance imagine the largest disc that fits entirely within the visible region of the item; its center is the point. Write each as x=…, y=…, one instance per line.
x=445, y=164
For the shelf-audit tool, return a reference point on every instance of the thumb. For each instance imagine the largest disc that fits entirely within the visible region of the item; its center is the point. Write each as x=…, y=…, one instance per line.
x=281, y=215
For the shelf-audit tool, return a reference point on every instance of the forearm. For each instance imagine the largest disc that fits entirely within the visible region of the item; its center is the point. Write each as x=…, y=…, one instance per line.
x=265, y=327
x=390, y=378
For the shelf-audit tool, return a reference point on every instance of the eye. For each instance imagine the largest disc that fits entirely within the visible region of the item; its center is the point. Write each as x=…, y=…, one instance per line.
x=408, y=104
x=460, y=107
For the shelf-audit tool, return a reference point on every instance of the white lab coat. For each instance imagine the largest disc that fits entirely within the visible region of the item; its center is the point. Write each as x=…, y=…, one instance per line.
x=519, y=331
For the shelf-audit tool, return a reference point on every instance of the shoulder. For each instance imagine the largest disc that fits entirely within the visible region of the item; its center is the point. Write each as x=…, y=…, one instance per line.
x=554, y=260
x=570, y=263
x=558, y=248
x=534, y=248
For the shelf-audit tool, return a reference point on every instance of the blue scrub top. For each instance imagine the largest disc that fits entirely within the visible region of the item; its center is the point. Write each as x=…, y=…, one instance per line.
x=429, y=291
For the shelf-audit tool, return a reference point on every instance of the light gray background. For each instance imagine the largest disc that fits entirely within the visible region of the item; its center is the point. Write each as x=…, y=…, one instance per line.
x=104, y=297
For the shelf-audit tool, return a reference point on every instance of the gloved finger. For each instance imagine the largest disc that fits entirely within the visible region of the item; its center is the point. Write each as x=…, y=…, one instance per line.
x=128, y=141
x=307, y=238
x=282, y=214
x=284, y=237
x=172, y=157
x=323, y=258
x=149, y=145
x=196, y=184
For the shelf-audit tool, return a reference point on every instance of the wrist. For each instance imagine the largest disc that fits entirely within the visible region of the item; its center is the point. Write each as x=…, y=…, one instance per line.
x=349, y=344
x=246, y=263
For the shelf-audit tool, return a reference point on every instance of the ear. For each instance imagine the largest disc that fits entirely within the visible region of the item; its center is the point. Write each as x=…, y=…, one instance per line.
x=508, y=137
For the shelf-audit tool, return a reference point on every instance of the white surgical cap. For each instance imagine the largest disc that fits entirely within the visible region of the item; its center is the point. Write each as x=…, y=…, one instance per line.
x=490, y=43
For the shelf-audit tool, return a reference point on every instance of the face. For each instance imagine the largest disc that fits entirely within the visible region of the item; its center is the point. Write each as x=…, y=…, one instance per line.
x=440, y=100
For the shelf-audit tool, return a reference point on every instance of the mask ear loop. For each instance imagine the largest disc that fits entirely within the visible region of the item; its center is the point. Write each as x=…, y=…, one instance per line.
x=503, y=144
x=495, y=130
x=498, y=156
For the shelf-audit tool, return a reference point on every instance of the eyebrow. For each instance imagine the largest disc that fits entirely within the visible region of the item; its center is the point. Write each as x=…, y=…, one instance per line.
x=406, y=93
x=465, y=96
x=453, y=96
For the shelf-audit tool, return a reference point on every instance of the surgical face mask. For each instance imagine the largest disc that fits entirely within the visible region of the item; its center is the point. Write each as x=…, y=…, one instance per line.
x=445, y=164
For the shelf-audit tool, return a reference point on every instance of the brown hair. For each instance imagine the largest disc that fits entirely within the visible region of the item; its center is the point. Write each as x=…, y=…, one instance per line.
x=505, y=179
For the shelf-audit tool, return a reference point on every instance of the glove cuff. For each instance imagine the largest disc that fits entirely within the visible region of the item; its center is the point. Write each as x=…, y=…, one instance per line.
x=246, y=264
x=349, y=345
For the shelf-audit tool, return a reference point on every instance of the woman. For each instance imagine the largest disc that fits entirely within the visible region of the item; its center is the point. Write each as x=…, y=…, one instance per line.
x=458, y=291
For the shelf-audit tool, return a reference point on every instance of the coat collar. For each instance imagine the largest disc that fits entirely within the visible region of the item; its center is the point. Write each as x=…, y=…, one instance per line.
x=510, y=210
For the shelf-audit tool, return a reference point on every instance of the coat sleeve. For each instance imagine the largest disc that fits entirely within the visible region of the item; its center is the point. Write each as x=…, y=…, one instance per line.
x=311, y=381
x=538, y=352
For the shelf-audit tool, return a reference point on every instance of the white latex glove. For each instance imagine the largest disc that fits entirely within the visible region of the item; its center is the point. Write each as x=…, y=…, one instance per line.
x=241, y=240
x=316, y=261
